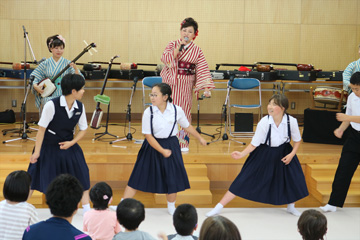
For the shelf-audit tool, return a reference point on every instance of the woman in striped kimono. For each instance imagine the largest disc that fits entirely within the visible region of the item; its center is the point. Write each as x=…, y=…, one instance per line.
x=186, y=68
x=50, y=68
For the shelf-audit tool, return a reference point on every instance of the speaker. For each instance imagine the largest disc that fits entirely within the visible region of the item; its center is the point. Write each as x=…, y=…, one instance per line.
x=244, y=122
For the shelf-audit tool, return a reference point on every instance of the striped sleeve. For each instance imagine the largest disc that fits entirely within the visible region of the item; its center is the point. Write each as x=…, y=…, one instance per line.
x=348, y=72
x=168, y=56
x=203, y=77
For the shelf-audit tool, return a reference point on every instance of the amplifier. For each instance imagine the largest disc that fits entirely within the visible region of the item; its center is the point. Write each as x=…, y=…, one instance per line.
x=244, y=122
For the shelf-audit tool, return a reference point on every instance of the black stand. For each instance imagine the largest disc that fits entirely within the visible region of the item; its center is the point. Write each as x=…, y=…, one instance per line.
x=129, y=136
x=225, y=115
x=106, y=127
x=198, y=129
x=24, y=131
x=25, y=128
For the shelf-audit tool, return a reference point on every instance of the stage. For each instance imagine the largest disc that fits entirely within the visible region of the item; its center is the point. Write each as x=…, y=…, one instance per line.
x=210, y=168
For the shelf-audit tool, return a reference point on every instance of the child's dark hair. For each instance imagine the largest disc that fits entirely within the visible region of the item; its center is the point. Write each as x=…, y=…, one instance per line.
x=130, y=213
x=185, y=219
x=54, y=41
x=17, y=186
x=219, y=227
x=312, y=225
x=165, y=89
x=355, y=78
x=187, y=22
x=72, y=81
x=100, y=195
x=63, y=195
x=280, y=100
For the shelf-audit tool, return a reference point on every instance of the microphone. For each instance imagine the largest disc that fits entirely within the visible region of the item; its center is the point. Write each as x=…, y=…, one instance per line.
x=182, y=45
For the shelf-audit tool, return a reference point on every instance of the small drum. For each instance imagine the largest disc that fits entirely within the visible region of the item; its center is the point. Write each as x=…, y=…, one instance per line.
x=128, y=66
x=329, y=95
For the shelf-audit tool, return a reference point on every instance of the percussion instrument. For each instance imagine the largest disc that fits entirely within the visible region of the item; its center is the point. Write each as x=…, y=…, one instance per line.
x=128, y=66
x=329, y=95
x=18, y=66
x=49, y=86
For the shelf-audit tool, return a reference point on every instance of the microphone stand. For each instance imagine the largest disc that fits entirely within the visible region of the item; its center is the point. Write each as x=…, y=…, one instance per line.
x=22, y=131
x=225, y=115
x=129, y=136
x=198, y=129
x=24, y=135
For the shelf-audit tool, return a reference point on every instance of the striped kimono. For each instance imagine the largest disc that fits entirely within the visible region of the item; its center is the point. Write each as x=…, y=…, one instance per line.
x=182, y=85
x=48, y=69
x=348, y=72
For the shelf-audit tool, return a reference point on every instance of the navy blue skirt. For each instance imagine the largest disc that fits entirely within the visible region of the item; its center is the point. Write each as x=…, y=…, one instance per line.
x=265, y=178
x=156, y=174
x=53, y=161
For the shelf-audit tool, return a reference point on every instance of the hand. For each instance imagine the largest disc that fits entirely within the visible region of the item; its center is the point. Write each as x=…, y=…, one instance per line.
x=237, y=155
x=38, y=89
x=203, y=142
x=341, y=117
x=207, y=93
x=73, y=65
x=34, y=157
x=162, y=235
x=287, y=159
x=338, y=133
x=166, y=153
x=65, y=145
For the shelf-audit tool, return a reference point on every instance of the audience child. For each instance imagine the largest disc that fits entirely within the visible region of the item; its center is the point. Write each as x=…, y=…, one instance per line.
x=15, y=213
x=219, y=227
x=312, y=225
x=62, y=196
x=185, y=222
x=130, y=213
x=100, y=222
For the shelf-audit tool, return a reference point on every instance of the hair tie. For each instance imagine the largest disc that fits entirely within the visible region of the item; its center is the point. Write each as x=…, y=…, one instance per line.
x=105, y=197
x=196, y=33
x=50, y=42
x=61, y=38
x=183, y=22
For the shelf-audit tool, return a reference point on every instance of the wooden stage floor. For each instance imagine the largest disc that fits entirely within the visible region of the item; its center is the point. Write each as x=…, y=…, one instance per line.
x=216, y=156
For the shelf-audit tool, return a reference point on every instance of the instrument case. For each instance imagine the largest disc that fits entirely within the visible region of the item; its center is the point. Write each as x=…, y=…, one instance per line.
x=94, y=75
x=126, y=74
x=331, y=75
x=11, y=73
x=297, y=75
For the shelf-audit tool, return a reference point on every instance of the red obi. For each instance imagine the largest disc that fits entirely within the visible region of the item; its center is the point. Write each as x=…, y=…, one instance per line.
x=186, y=68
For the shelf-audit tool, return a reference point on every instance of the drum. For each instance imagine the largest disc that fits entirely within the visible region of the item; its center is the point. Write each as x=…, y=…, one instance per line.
x=128, y=66
x=329, y=95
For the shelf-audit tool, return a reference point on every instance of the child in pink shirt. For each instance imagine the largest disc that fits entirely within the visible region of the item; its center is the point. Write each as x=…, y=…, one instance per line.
x=100, y=222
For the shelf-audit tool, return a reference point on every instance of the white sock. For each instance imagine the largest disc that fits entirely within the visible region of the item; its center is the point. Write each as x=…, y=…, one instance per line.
x=86, y=208
x=171, y=207
x=216, y=210
x=291, y=209
x=328, y=208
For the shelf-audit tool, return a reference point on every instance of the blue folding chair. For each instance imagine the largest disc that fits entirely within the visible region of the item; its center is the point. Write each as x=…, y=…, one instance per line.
x=244, y=84
x=149, y=82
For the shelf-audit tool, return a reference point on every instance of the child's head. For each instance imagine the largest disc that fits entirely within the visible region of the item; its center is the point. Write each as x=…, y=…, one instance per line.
x=164, y=89
x=55, y=41
x=63, y=195
x=355, y=83
x=72, y=81
x=280, y=100
x=219, y=227
x=101, y=195
x=130, y=213
x=185, y=219
x=312, y=225
x=17, y=186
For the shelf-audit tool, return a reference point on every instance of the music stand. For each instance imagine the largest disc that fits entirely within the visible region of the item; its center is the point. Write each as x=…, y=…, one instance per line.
x=129, y=136
x=198, y=129
x=23, y=130
x=224, y=114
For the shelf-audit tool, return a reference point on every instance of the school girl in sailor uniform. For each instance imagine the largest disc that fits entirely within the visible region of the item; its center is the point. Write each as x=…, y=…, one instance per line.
x=272, y=173
x=159, y=167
